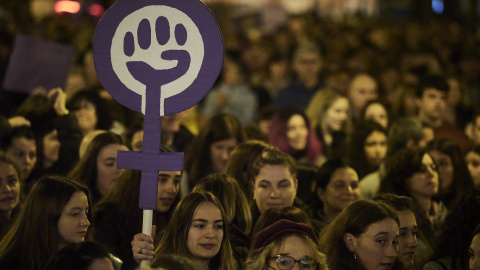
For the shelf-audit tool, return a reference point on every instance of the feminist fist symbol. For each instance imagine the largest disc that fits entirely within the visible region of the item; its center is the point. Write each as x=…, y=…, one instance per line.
x=145, y=73
x=158, y=57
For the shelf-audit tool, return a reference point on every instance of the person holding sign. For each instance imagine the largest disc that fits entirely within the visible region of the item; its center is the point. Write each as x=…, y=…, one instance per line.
x=117, y=217
x=198, y=230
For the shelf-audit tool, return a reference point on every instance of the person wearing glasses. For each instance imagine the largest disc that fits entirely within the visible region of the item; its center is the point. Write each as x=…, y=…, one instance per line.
x=283, y=245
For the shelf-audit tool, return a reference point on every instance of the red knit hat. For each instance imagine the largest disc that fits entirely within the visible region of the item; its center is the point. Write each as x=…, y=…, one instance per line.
x=283, y=226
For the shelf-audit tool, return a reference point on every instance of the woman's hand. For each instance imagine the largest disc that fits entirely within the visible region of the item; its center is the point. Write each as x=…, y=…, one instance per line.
x=142, y=246
x=18, y=121
x=59, y=98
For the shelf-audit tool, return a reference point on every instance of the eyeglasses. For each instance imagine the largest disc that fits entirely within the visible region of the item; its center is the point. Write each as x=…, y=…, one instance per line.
x=285, y=262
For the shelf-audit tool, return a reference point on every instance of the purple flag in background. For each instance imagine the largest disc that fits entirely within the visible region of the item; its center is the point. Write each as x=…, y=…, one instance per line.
x=36, y=62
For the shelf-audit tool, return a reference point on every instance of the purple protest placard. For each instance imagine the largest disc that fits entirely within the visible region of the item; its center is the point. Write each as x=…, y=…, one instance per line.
x=35, y=62
x=158, y=57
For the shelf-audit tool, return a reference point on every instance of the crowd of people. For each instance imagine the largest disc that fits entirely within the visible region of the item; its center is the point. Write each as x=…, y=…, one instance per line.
x=322, y=145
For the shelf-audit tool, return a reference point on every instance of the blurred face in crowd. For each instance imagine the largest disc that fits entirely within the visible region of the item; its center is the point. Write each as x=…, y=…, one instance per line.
x=363, y=88
x=377, y=113
x=167, y=189
x=428, y=136
x=445, y=168
x=336, y=115
x=9, y=188
x=340, y=192
x=473, y=162
x=107, y=172
x=307, y=66
x=51, y=147
x=425, y=182
x=279, y=70
x=265, y=125
x=476, y=131
x=86, y=114
x=297, y=132
x=274, y=187
x=474, y=252
x=73, y=224
x=375, y=147
x=220, y=153
x=171, y=123
x=292, y=247
x=432, y=104
x=376, y=247
x=24, y=152
x=454, y=95
x=232, y=74
x=206, y=232
x=407, y=242
x=137, y=141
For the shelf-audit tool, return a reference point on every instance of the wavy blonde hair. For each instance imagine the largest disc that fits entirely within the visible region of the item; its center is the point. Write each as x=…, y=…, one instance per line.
x=320, y=103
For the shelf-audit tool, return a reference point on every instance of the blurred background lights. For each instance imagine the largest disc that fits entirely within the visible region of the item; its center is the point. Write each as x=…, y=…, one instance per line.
x=437, y=6
x=67, y=6
x=96, y=10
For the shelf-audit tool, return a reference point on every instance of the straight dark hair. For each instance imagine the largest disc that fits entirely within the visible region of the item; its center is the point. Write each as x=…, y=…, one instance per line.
x=34, y=236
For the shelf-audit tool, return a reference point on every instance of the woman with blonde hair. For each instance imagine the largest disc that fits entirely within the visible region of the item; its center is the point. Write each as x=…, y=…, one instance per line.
x=329, y=114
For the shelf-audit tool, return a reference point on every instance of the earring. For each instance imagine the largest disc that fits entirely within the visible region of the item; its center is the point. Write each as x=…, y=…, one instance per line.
x=354, y=255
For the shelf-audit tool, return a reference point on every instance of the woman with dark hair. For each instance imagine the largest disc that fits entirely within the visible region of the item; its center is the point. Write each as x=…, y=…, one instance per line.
x=197, y=230
x=240, y=161
x=363, y=236
x=58, y=135
x=210, y=150
x=336, y=188
x=413, y=173
x=97, y=169
x=453, y=173
x=291, y=133
x=411, y=247
x=237, y=212
x=91, y=110
x=451, y=248
x=376, y=110
x=118, y=218
x=56, y=213
x=329, y=113
x=81, y=256
x=20, y=145
x=473, y=163
x=367, y=147
x=45, y=124
x=9, y=193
